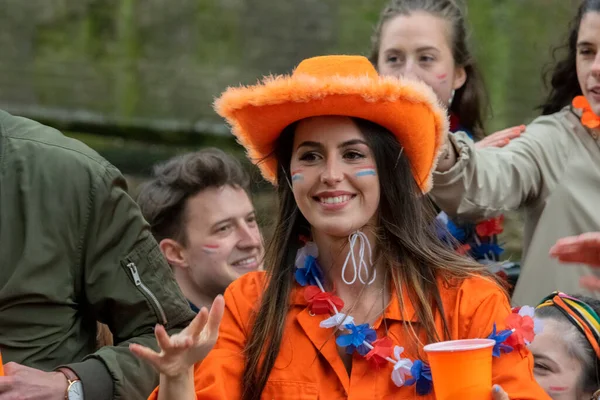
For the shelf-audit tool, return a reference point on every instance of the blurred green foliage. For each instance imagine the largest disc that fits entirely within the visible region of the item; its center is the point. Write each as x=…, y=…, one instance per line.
x=167, y=59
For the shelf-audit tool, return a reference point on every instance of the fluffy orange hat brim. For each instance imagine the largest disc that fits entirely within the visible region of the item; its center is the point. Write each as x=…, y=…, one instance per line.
x=409, y=109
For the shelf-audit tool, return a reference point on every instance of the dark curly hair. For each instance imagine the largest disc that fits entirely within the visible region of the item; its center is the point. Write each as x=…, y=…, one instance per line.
x=564, y=85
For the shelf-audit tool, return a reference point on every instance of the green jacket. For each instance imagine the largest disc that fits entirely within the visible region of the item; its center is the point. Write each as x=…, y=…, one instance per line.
x=75, y=249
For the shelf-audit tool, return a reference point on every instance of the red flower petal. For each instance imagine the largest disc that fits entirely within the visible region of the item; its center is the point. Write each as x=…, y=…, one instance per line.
x=490, y=227
x=463, y=249
x=382, y=348
x=321, y=302
x=523, y=330
x=310, y=292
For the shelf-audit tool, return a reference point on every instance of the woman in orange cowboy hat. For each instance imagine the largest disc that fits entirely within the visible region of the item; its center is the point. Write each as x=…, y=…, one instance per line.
x=357, y=281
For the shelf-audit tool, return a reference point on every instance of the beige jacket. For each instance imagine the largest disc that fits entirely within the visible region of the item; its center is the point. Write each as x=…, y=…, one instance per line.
x=552, y=172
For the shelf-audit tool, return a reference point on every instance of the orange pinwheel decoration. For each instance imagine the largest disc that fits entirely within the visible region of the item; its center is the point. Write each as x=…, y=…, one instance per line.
x=588, y=118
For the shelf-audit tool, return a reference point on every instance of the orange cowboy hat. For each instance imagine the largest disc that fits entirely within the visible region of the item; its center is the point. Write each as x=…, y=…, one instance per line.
x=337, y=85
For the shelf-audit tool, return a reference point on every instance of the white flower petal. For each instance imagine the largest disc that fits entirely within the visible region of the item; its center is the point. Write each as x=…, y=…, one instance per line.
x=336, y=320
x=310, y=249
x=401, y=370
x=398, y=377
x=398, y=350
x=527, y=311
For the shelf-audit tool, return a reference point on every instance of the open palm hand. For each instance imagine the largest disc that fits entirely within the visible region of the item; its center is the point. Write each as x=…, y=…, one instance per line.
x=182, y=350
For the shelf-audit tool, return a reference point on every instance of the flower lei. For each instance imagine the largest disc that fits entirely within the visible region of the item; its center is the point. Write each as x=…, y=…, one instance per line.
x=521, y=328
x=479, y=241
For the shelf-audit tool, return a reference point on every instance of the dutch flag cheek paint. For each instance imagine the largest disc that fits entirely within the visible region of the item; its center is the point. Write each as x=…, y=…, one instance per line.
x=558, y=389
x=366, y=171
x=442, y=78
x=210, y=248
x=297, y=175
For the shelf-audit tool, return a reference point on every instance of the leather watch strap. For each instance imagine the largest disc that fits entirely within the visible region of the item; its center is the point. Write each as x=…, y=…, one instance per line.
x=71, y=376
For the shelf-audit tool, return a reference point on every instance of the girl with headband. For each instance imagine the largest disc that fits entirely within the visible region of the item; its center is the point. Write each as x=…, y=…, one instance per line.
x=356, y=281
x=566, y=352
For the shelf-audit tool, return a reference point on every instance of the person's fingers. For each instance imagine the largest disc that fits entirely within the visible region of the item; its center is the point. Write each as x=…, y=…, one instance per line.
x=179, y=342
x=590, y=283
x=499, y=394
x=162, y=337
x=571, y=243
x=496, y=143
x=566, y=245
x=145, y=353
x=500, y=138
x=584, y=249
x=7, y=383
x=215, y=316
x=195, y=327
x=508, y=133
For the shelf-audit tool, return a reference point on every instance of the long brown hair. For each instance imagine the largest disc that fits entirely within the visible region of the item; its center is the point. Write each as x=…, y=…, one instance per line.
x=470, y=101
x=406, y=242
x=564, y=85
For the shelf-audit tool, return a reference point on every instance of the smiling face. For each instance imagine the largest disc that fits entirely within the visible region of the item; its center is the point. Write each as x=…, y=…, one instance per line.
x=334, y=175
x=418, y=46
x=588, y=59
x=223, y=238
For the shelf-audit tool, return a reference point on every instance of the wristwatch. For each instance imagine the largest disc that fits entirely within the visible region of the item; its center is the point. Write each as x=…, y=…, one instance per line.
x=75, y=388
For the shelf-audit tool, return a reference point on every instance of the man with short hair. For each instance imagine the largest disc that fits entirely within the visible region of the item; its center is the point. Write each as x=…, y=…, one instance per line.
x=199, y=209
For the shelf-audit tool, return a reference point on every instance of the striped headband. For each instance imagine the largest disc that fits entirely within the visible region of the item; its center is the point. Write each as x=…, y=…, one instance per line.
x=579, y=313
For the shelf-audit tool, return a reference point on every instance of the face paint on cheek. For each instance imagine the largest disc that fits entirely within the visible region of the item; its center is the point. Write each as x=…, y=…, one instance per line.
x=442, y=78
x=558, y=389
x=366, y=171
x=210, y=248
x=297, y=175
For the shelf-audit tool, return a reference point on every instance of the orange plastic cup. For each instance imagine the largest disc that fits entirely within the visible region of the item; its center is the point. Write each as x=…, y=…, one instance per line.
x=1, y=365
x=461, y=369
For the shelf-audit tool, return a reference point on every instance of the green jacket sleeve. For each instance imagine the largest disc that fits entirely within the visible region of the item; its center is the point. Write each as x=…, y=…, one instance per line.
x=486, y=182
x=128, y=284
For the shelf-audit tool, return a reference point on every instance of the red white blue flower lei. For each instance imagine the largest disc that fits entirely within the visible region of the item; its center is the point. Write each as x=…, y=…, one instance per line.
x=522, y=327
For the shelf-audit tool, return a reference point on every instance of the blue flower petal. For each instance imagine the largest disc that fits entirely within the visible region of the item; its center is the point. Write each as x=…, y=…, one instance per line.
x=423, y=387
x=457, y=231
x=300, y=276
x=479, y=251
x=500, y=338
x=421, y=375
x=344, y=340
x=310, y=273
x=362, y=350
x=354, y=341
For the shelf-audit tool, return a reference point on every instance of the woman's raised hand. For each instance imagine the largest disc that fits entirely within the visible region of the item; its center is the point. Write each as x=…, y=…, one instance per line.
x=582, y=249
x=182, y=350
x=500, y=138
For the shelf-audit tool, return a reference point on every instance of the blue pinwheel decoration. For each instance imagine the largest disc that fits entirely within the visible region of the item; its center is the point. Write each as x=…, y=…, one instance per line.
x=421, y=375
x=500, y=338
x=310, y=273
x=356, y=338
